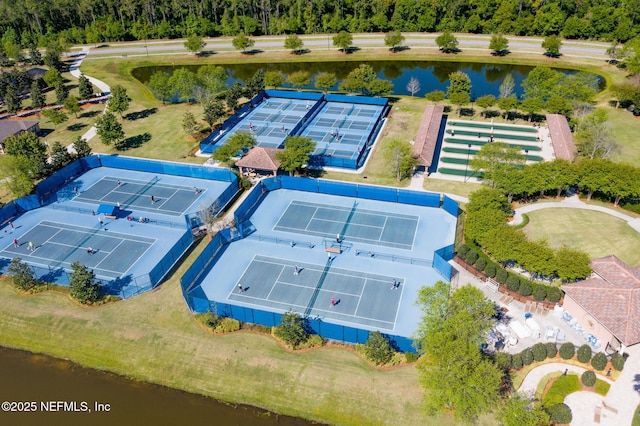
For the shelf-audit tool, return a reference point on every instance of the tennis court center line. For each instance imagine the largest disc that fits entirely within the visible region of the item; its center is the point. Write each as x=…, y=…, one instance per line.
x=402, y=284
x=282, y=267
x=85, y=229
x=137, y=260
x=60, y=263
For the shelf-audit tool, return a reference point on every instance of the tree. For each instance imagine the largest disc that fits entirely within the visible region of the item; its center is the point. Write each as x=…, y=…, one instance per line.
x=593, y=136
x=325, y=81
x=551, y=44
x=459, y=88
x=72, y=105
x=194, y=44
x=380, y=87
x=18, y=175
x=493, y=158
x=274, y=79
x=119, y=100
x=37, y=97
x=486, y=102
x=377, y=349
x=35, y=57
x=212, y=77
x=447, y=42
x=160, y=86
x=519, y=411
x=62, y=92
x=558, y=105
x=292, y=329
x=82, y=148
x=12, y=101
x=343, y=41
x=255, y=84
x=508, y=104
x=413, y=86
x=531, y=106
x=233, y=95
x=189, y=124
x=436, y=96
x=299, y=79
x=293, y=43
x=236, y=144
x=85, y=88
x=358, y=79
x=499, y=45
x=21, y=274
x=296, y=153
x=399, y=155
x=60, y=157
x=393, y=39
x=213, y=111
x=109, y=129
x=55, y=116
x=83, y=284
x=241, y=42
x=52, y=55
x=52, y=76
x=183, y=82
x=507, y=86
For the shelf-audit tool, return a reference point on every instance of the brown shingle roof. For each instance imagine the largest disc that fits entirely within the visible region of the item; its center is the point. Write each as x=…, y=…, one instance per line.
x=612, y=297
x=260, y=159
x=424, y=145
x=12, y=127
x=561, y=137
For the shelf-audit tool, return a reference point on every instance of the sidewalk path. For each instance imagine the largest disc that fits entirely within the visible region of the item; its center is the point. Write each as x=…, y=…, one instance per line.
x=574, y=202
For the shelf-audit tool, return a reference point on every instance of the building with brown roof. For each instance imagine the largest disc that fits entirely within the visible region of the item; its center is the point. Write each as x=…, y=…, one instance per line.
x=426, y=140
x=607, y=305
x=15, y=127
x=561, y=137
x=259, y=160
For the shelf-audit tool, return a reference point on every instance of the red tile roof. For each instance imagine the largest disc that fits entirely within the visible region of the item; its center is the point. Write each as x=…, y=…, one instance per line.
x=424, y=145
x=561, y=137
x=612, y=297
x=260, y=159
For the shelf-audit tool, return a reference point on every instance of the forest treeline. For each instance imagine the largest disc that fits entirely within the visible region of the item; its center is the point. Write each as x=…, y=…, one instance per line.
x=30, y=22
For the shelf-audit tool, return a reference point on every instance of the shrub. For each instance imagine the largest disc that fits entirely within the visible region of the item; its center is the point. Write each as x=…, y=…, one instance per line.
x=588, y=378
x=377, y=349
x=463, y=250
x=490, y=270
x=552, y=349
x=599, y=361
x=567, y=350
x=291, y=329
x=227, y=325
x=481, y=263
x=539, y=292
x=471, y=257
x=525, y=288
x=314, y=341
x=584, y=353
x=513, y=282
x=539, y=351
x=560, y=413
x=554, y=294
x=617, y=361
x=501, y=276
x=23, y=277
x=527, y=356
x=410, y=357
x=503, y=360
x=516, y=362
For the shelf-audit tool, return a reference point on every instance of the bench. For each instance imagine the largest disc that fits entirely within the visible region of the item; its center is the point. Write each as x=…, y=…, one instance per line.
x=333, y=250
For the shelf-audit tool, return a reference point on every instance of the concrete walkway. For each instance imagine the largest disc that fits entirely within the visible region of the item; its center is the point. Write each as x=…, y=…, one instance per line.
x=574, y=202
x=589, y=408
x=74, y=69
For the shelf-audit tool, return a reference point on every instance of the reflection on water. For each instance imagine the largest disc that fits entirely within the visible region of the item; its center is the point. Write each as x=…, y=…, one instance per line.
x=432, y=75
x=74, y=395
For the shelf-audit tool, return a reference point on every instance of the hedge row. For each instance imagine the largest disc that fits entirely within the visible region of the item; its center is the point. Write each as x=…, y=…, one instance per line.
x=541, y=351
x=514, y=282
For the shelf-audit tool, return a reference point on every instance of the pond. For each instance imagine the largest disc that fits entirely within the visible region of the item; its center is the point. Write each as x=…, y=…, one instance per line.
x=65, y=393
x=432, y=75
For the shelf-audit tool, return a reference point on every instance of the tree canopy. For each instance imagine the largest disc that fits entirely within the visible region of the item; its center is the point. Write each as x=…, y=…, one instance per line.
x=296, y=153
x=399, y=155
x=234, y=146
x=343, y=41
x=194, y=44
x=447, y=42
x=83, y=284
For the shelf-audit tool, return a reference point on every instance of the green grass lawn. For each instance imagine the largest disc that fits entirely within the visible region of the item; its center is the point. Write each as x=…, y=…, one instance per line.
x=636, y=417
x=153, y=337
x=596, y=233
x=625, y=129
x=450, y=186
x=71, y=129
x=560, y=388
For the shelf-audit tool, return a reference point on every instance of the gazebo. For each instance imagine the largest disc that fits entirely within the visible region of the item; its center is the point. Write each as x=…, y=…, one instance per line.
x=259, y=161
x=607, y=305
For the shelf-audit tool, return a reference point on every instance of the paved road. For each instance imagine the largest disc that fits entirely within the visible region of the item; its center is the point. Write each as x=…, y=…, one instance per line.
x=570, y=48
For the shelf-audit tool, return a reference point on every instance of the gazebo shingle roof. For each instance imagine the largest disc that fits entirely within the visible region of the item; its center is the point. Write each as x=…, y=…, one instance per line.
x=561, y=137
x=612, y=297
x=424, y=145
x=12, y=127
x=260, y=159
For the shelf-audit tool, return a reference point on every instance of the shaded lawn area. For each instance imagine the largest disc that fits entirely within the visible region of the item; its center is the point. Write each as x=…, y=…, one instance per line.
x=596, y=233
x=71, y=129
x=625, y=129
x=153, y=337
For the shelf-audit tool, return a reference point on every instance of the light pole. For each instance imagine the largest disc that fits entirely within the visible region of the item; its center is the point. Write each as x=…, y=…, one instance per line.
x=466, y=166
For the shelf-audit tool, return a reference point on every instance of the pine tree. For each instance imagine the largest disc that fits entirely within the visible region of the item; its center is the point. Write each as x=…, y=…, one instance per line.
x=84, y=87
x=83, y=285
x=37, y=97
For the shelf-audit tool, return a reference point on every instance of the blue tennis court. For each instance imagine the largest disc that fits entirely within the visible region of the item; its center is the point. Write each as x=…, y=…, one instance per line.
x=56, y=245
x=168, y=199
x=351, y=224
x=359, y=298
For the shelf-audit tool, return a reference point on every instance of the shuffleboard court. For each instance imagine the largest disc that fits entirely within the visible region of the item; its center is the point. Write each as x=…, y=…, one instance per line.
x=353, y=224
x=360, y=298
x=168, y=199
x=58, y=245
